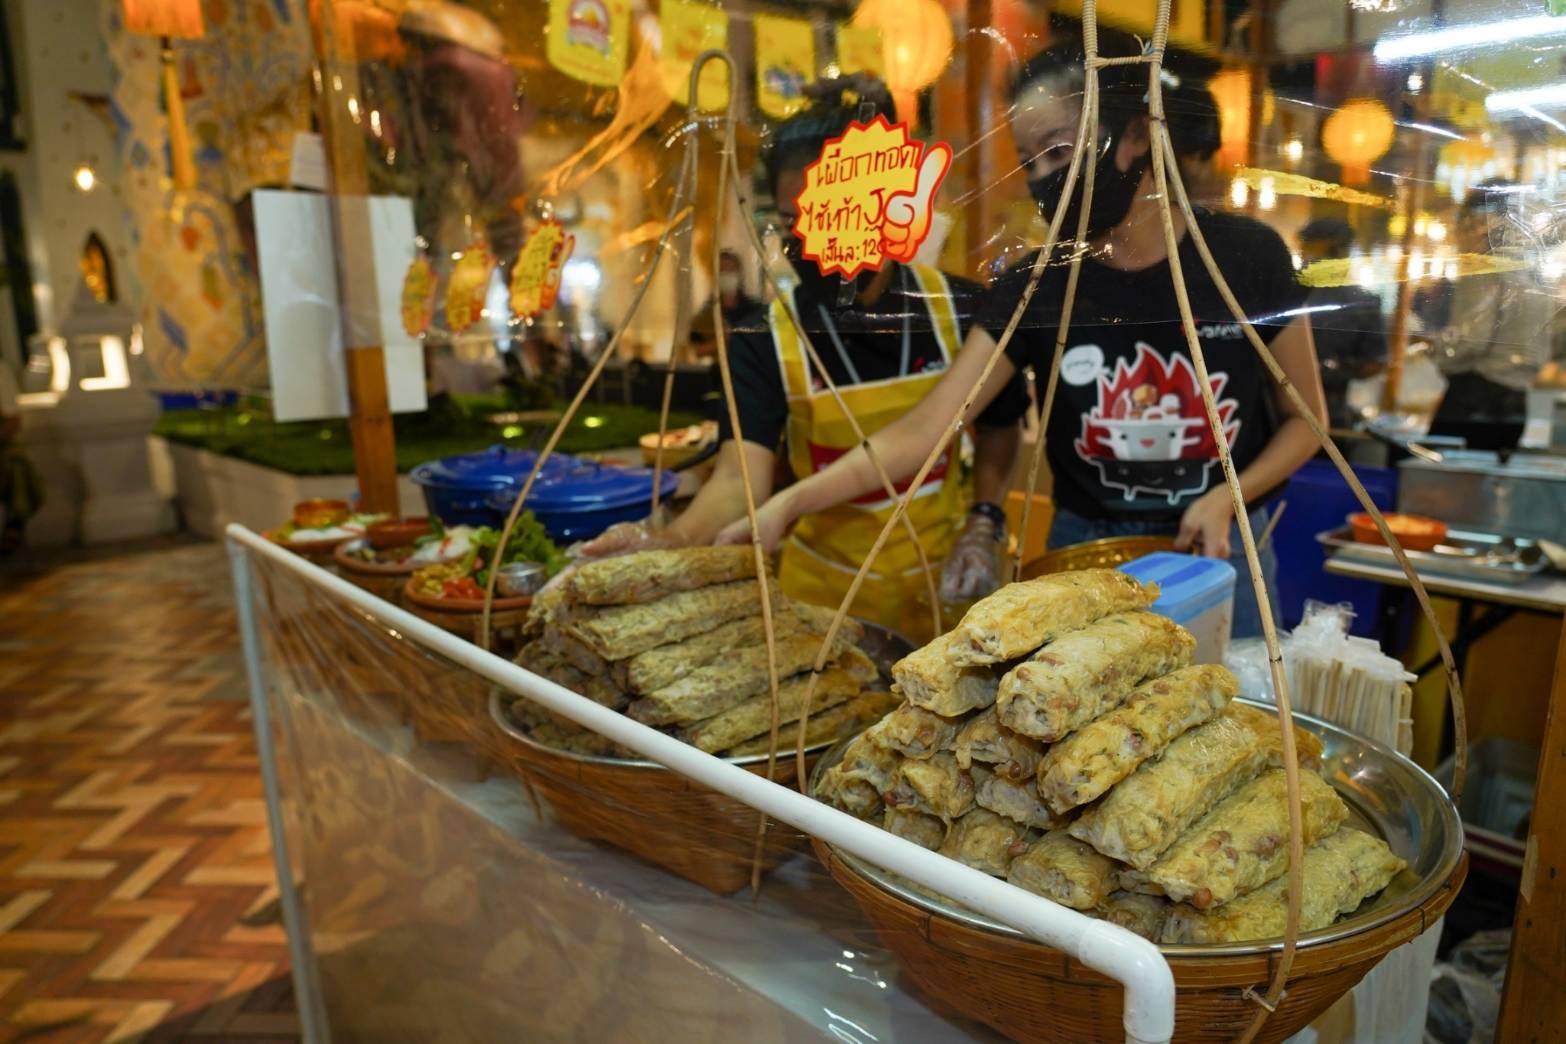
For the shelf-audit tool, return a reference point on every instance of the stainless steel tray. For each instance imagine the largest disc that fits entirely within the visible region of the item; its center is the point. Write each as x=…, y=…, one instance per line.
x=1387, y=795
x=1465, y=553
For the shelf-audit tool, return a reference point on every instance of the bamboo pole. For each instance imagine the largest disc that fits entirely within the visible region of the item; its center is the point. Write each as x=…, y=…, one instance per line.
x=954, y=425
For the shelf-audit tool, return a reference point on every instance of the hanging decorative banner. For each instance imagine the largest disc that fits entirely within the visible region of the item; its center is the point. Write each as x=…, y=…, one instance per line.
x=859, y=50
x=418, y=297
x=689, y=28
x=468, y=287
x=868, y=199
x=535, y=278
x=588, y=39
x=785, y=62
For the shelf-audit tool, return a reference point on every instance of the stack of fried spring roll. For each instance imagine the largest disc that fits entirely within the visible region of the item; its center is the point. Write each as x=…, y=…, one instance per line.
x=675, y=639
x=1059, y=737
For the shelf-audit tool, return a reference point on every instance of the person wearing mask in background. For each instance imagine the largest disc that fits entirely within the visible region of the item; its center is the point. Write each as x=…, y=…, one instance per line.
x=734, y=302
x=884, y=347
x=1130, y=449
x=1350, y=332
x=1499, y=335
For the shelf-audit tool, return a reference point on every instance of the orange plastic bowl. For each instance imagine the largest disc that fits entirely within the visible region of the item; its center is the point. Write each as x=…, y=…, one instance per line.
x=1414, y=532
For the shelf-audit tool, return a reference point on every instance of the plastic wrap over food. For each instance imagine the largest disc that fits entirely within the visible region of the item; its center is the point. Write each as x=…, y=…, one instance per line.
x=461, y=883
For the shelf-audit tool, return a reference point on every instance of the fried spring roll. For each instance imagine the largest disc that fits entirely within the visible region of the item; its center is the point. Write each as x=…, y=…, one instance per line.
x=985, y=841
x=1244, y=842
x=835, y=685
x=1018, y=801
x=1060, y=867
x=1020, y=617
x=914, y=732
x=929, y=679
x=727, y=681
x=1141, y=817
x=935, y=786
x=1145, y=915
x=1340, y=872
x=922, y=829
x=1106, y=750
x=1011, y=755
x=855, y=784
x=646, y=576
x=1076, y=678
x=657, y=668
x=832, y=724
x=622, y=631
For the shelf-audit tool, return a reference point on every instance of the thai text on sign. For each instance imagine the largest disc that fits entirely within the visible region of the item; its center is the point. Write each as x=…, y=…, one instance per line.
x=868, y=198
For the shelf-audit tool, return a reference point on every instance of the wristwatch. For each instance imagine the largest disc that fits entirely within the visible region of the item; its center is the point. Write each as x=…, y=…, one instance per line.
x=994, y=512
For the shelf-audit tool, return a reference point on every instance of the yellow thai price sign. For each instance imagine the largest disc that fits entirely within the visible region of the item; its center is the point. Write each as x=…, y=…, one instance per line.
x=588, y=39
x=689, y=28
x=468, y=287
x=785, y=62
x=418, y=296
x=868, y=198
x=535, y=278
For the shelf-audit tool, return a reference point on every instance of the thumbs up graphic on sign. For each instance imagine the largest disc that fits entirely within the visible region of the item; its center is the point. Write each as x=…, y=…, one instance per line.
x=905, y=221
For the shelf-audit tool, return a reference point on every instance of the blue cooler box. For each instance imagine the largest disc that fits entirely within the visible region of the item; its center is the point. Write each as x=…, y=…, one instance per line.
x=1196, y=593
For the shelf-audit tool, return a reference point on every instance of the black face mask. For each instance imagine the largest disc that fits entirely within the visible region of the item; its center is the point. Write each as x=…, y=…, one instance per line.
x=1114, y=190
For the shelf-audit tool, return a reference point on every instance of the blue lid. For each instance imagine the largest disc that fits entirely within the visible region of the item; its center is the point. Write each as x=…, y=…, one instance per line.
x=1188, y=584
x=591, y=486
x=497, y=468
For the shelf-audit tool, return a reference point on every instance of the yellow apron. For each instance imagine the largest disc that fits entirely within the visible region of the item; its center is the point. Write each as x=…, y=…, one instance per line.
x=825, y=550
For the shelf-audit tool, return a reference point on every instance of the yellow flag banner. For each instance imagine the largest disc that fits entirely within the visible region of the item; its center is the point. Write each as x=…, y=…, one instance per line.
x=869, y=198
x=689, y=28
x=859, y=50
x=535, y=278
x=588, y=39
x=785, y=62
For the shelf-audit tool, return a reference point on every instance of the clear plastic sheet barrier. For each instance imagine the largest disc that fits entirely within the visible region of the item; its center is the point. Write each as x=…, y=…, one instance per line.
x=440, y=899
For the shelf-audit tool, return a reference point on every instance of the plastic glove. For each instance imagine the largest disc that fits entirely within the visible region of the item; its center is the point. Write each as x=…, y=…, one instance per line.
x=972, y=569
x=622, y=538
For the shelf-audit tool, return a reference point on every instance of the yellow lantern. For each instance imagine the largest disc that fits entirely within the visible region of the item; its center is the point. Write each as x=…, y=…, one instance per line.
x=1356, y=136
x=916, y=44
x=1231, y=89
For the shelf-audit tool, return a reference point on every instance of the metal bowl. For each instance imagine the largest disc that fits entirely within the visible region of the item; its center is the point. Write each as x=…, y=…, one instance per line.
x=1387, y=795
x=521, y=579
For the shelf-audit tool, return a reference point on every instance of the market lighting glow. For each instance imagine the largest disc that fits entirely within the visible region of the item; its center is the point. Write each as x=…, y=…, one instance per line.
x=85, y=178
x=1552, y=96
x=1416, y=83
x=1467, y=37
x=593, y=422
x=1295, y=150
x=1266, y=194
x=1239, y=192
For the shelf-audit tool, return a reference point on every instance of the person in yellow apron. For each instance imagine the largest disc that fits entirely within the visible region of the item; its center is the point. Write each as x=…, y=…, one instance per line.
x=884, y=340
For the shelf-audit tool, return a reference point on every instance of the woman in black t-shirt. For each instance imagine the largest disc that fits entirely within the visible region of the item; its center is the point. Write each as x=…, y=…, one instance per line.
x=1130, y=448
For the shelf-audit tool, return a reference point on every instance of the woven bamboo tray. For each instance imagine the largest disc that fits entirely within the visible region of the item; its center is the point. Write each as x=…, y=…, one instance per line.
x=1096, y=554
x=642, y=807
x=1034, y=993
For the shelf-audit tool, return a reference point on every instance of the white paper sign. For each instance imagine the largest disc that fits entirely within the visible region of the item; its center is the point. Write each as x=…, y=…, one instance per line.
x=307, y=163
x=303, y=312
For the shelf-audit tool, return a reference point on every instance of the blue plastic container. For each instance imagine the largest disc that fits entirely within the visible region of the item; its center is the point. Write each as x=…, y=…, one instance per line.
x=580, y=502
x=462, y=490
x=1196, y=593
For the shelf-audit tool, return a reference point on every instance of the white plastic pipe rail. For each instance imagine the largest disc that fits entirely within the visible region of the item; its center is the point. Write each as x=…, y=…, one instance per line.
x=1107, y=948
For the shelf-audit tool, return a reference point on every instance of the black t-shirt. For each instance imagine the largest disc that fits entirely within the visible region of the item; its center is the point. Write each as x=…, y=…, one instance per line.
x=872, y=350
x=1129, y=437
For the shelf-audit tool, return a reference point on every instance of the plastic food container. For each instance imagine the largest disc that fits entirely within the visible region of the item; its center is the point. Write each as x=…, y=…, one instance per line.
x=1414, y=532
x=580, y=502
x=462, y=490
x=1196, y=593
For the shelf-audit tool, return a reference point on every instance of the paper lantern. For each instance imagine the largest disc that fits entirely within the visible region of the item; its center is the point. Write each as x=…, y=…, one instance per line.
x=1356, y=136
x=179, y=19
x=916, y=44
x=1231, y=89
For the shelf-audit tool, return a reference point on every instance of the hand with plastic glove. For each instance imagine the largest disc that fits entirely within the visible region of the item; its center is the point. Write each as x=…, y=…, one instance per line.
x=622, y=538
x=972, y=570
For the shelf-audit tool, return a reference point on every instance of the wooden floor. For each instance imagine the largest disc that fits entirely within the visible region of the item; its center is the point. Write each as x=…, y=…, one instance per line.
x=136, y=879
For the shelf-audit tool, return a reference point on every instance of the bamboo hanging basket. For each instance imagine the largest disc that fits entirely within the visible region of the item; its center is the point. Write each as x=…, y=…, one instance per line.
x=642, y=807
x=1036, y=994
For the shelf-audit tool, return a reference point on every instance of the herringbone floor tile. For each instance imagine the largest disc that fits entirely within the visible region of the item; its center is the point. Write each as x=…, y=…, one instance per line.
x=134, y=852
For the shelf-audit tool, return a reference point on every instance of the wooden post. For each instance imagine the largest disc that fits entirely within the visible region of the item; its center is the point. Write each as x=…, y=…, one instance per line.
x=1533, y=1006
x=369, y=404
x=980, y=118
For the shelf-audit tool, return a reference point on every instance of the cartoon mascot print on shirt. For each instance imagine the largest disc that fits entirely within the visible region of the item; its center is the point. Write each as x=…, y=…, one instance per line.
x=1148, y=434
